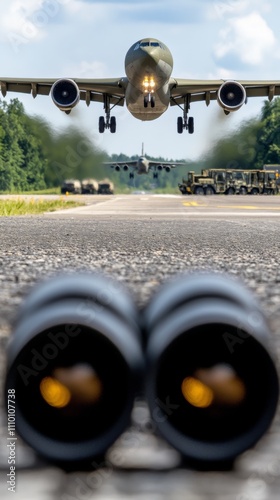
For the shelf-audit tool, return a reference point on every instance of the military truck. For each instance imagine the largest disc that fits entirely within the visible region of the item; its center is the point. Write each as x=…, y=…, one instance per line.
x=72, y=186
x=105, y=187
x=214, y=181
x=229, y=181
x=261, y=182
x=89, y=186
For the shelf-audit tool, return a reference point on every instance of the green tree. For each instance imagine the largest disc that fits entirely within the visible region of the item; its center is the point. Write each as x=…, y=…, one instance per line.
x=268, y=138
x=21, y=166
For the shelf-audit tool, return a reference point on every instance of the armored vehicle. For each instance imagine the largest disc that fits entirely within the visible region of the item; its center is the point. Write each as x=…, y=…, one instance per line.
x=89, y=186
x=105, y=187
x=72, y=186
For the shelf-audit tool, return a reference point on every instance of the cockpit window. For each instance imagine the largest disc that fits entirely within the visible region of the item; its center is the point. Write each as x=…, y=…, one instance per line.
x=148, y=44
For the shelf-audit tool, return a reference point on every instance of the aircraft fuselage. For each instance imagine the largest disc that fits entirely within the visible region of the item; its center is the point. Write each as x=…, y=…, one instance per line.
x=148, y=66
x=143, y=165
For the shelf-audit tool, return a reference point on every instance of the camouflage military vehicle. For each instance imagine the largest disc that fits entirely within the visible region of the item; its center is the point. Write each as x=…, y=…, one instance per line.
x=262, y=182
x=72, y=186
x=213, y=181
x=105, y=187
x=229, y=181
x=89, y=186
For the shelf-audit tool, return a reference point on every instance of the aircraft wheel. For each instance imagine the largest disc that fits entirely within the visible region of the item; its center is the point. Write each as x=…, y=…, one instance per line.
x=191, y=125
x=153, y=101
x=113, y=124
x=180, y=125
x=101, y=124
x=146, y=101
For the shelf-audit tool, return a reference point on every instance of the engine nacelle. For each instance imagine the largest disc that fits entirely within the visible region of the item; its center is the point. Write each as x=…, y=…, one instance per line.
x=117, y=168
x=167, y=169
x=231, y=96
x=159, y=167
x=125, y=168
x=65, y=94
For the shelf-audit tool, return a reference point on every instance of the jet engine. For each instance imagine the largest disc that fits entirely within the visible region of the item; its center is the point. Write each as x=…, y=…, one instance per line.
x=159, y=167
x=231, y=96
x=167, y=169
x=75, y=360
x=117, y=168
x=65, y=94
x=211, y=377
x=125, y=168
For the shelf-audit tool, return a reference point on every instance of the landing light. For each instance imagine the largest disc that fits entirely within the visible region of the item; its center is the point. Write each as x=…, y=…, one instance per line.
x=149, y=84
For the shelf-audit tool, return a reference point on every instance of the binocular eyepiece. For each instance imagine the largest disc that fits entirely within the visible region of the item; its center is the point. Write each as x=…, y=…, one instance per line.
x=76, y=360
x=212, y=383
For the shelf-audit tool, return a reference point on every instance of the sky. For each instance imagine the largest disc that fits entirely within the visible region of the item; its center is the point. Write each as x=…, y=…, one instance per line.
x=231, y=39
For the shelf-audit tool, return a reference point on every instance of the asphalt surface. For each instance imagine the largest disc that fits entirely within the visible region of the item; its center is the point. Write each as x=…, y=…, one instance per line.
x=141, y=241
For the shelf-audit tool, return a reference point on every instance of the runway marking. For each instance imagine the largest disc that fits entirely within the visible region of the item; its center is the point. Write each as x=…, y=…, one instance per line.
x=232, y=207
x=246, y=207
x=194, y=204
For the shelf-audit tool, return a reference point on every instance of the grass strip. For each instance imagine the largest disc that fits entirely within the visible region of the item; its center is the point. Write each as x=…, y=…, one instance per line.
x=38, y=206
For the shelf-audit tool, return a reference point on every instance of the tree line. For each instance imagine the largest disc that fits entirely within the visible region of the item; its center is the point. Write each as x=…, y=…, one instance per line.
x=34, y=157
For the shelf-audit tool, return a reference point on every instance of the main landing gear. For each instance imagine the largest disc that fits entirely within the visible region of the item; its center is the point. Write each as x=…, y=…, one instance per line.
x=185, y=122
x=107, y=122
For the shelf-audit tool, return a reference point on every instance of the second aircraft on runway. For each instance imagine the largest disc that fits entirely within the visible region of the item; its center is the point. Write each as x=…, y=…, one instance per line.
x=143, y=165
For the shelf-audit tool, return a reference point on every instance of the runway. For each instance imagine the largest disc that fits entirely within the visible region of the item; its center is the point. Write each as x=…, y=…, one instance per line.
x=141, y=240
x=178, y=206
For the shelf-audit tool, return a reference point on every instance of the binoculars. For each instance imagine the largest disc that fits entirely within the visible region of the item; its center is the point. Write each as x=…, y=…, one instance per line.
x=200, y=353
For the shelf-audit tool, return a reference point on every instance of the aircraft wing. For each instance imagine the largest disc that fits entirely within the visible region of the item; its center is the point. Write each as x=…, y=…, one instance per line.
x=164, y=164
x=130, y=163
x=90, y=89
x=207, y=90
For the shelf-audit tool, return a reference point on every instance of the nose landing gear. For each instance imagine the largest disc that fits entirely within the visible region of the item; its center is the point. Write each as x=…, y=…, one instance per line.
x=149, y=99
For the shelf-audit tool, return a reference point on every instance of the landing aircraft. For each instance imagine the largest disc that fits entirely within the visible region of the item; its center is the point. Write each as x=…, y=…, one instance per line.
x=147, y=89
x=143, y=165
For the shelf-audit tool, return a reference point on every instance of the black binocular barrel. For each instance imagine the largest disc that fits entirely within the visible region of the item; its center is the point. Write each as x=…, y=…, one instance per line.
x=212, y=384
x=75, y=362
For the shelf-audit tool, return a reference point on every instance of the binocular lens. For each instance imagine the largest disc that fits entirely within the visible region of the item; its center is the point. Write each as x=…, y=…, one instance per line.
x=212, y=384
x=75, y=361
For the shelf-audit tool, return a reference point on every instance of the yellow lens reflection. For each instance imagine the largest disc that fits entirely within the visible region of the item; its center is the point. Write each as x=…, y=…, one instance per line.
x=218, y=385
x=54, y=393
x=197, y=393
x=82, y=381
x=74, y=386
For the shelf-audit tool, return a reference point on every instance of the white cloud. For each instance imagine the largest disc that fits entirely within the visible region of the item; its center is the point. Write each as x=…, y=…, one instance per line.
x=222, y=9
x=248, y=38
